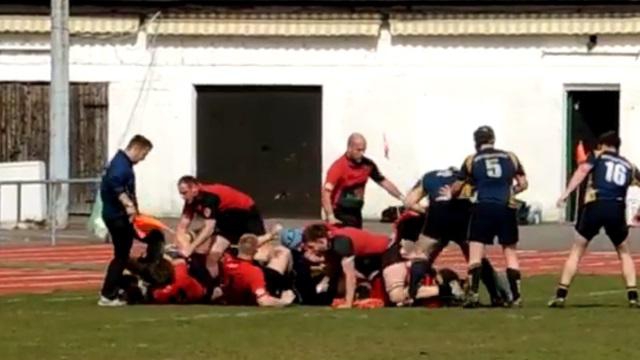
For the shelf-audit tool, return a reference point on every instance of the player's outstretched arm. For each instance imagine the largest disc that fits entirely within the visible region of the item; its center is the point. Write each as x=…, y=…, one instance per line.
x=578, y=177
x=203, y=235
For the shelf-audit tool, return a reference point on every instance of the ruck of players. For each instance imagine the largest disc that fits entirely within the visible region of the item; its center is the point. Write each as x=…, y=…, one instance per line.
x=222, y=253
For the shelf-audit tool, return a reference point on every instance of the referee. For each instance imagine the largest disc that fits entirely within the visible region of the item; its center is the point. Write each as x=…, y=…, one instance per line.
x=118, y=192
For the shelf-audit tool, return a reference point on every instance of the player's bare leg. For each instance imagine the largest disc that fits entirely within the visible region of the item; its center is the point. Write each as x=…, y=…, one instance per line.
x=570, y=269
x=394, y=277
x=476, y=253
x=628, y=272
x=220, y=245
x=513, y=272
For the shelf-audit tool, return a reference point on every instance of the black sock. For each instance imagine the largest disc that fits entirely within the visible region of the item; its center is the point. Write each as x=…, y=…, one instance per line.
x=513, y=276
x=474, y=277
x=199, y=271
x=444, y=290
x=488, y=274
x=419, y=269
x=632, y=293
x=562, y=291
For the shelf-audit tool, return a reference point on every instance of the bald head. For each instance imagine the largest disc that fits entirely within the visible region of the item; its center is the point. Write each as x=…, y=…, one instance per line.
x=356, y=146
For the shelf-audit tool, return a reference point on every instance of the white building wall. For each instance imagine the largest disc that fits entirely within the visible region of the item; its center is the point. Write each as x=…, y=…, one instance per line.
x=426, y=95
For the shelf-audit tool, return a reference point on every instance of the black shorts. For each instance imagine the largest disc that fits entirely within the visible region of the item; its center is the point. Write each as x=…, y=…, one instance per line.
x=349, y=216
x=392, y=256
x=493, y=220
x=609, y=215
x=233, y=223
x=367, y=265
x=410, y=228
x=448, y=221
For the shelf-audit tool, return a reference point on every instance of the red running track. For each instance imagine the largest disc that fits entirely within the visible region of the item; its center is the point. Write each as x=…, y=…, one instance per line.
x=20, y=274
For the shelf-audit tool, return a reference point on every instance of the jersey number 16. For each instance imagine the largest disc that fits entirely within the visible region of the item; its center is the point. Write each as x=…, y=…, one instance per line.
x=616, y=173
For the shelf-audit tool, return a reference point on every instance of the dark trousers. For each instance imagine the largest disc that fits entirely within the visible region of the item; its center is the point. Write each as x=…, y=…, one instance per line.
x=349, y=216
x=122, y=235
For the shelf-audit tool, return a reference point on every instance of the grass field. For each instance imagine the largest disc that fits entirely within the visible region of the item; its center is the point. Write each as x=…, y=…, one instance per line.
x=597, y=324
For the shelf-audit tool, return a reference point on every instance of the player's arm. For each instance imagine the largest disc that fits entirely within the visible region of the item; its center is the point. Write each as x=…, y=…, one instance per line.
x=521, y=177
x=205, y=233
x=577, y=178
x=182, y=228
x=333, y=177
x=350, y=280
x=635, y=180
x=210, y=206
x=385, y=183
x=343, y=247
x=412, y=201
x=117, y=179
x=464, y=176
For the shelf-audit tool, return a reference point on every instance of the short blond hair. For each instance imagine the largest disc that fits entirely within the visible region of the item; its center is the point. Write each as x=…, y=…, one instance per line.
x=247, y=244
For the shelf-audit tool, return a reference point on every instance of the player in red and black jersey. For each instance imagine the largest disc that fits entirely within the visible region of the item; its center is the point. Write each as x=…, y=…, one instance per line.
x=347, y=248
x=246, y=283
x=227, y=214
x=343, y=191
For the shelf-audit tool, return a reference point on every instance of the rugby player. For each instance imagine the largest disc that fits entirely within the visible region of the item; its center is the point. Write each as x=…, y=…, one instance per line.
x=245, y=283
x=492, y=172
x=227, y=214
x=348, y=246
x=447, y=220
x=403, y=287
x=343, y=190
x=609, y=177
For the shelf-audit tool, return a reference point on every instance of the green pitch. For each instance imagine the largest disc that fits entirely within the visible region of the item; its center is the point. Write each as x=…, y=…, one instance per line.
x=596, y=324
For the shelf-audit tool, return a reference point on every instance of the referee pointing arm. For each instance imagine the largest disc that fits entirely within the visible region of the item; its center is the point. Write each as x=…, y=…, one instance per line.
x=118, y=192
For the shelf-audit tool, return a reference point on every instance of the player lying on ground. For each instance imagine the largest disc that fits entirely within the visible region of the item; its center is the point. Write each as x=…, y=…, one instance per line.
x=363, y=252
x=246, y=283
x=610, y=176
x=447, y=220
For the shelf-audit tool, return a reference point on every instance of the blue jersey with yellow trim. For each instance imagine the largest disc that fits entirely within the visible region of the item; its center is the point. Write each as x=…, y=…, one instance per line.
x=610, y=176
x=492, y=173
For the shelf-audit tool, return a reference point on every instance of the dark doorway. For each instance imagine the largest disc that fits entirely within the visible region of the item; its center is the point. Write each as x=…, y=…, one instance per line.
x=589, y=114
x=265, y=141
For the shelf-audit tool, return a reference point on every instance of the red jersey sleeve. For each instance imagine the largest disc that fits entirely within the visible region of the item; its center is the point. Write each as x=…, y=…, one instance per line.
x=334, y=174
x=255, y=279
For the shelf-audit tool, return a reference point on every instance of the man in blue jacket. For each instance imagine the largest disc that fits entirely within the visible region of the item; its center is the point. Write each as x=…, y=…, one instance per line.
x=118, y=193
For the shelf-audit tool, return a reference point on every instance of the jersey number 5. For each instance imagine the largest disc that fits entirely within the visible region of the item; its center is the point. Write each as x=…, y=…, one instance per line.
x=616, y=173
x=494, y=169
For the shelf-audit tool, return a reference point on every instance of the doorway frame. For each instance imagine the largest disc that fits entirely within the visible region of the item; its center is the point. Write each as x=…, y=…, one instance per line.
x=195, y=86
x=566, y=138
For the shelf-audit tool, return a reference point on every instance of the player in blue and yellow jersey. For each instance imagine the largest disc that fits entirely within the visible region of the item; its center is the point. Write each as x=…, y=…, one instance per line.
x=447, y=220
x=609, y=177
x=497, y=176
